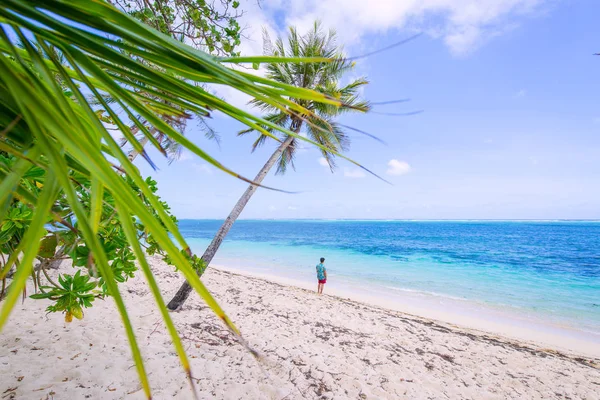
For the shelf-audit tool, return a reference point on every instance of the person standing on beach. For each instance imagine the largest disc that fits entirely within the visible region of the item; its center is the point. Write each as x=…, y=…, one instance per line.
x=321, y=276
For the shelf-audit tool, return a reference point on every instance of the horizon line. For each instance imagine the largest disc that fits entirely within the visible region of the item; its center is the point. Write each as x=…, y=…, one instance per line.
x=408, y=219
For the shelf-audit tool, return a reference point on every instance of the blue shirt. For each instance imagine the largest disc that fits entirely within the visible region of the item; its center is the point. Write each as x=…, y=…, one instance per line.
x=320, y=272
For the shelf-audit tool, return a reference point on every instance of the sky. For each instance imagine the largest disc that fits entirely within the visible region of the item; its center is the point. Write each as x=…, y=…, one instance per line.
x=510, y=126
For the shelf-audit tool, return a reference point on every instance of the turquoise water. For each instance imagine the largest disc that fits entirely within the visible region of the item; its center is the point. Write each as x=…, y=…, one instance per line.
x=547, y=271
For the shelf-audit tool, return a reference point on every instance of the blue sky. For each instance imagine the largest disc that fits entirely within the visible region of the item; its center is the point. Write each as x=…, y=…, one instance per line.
x=510, y=126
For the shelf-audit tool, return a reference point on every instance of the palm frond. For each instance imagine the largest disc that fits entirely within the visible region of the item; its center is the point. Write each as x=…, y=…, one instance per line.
x=276, y=118
x=287, y=158
x=109, y=60
x=320, y=76
x=209, y=132
x=331, y=135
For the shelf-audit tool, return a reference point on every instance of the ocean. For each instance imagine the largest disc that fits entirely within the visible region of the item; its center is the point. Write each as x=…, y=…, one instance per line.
x=532, y=270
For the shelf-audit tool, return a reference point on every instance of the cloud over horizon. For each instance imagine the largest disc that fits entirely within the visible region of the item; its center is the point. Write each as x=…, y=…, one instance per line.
x=202, y=168
x=354, y=173
x=398, y=168
x=463, y=25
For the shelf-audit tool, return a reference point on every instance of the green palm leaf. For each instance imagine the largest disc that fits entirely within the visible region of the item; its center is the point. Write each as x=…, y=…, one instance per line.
x=72, y=69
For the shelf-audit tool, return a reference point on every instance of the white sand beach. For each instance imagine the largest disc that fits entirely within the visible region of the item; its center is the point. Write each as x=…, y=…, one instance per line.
x=311, y=347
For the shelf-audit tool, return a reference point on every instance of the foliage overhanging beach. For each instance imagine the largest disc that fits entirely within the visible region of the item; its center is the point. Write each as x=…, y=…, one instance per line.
x=51, y=126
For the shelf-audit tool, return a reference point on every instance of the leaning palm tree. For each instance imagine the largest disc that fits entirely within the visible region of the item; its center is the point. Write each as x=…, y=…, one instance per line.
x=317, y=121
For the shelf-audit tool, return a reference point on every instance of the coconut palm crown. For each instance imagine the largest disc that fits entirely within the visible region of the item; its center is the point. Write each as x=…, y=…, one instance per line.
x=323, y=77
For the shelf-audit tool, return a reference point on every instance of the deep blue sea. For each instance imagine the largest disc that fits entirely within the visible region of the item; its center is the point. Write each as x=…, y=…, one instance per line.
x=540, y=270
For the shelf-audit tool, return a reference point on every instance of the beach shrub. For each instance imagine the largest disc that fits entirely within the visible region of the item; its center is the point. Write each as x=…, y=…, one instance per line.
x=63, y=240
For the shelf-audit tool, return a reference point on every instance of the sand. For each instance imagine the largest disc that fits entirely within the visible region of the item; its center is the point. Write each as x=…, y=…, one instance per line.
x=311, y=347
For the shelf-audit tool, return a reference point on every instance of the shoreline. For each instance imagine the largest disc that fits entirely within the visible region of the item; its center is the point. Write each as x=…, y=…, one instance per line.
x=484, y=321
x=556, y=220
x=307, y=346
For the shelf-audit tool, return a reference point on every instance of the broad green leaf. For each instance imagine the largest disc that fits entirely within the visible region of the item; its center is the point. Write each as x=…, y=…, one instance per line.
x=29, y=247
x=48, y=246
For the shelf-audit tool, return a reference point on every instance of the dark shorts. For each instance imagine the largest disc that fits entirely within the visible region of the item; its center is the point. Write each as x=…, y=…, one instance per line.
x=322, y=280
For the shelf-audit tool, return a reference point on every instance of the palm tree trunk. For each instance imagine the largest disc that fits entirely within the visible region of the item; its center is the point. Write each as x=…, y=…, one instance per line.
x=134, y=153
x=185, y=289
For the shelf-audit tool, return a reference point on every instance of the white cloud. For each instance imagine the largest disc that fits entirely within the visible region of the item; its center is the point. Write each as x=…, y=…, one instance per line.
x=253, y=21
x=354, y=173
x=302, y=146
x=292, y=208
x=533, y=160
x=272, y=208
x=398, y=167
x=462, y=24
x=185, y=155
x=323, y=162
x=202, y=168
x=521, y=93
